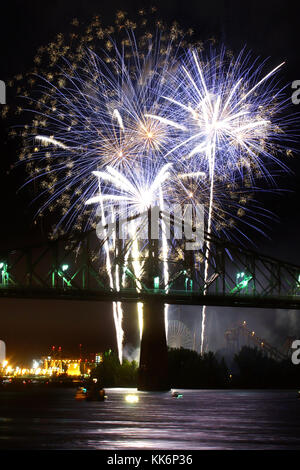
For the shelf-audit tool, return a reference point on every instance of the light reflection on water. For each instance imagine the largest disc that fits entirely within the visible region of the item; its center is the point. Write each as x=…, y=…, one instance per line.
x=201, y=419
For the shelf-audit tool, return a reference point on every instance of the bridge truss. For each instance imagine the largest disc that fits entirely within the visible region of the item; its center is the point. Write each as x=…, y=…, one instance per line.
x=76, y=269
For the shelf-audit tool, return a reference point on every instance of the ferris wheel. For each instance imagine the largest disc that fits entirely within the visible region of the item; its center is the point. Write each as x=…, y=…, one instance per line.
x=179, y=336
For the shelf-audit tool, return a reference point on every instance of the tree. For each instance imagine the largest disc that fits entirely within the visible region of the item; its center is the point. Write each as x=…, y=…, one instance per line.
x=188, y=369
x=111, y=373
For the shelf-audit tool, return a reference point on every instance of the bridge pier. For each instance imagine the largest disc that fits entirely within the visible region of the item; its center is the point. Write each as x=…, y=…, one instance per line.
x=153, y=370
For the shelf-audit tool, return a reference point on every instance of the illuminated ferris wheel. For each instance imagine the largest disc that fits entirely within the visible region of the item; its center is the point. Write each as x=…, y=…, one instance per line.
x=179, y=336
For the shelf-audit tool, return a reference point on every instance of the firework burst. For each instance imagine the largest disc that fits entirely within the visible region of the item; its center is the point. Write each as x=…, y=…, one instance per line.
x=230, y=114
x=152, y=120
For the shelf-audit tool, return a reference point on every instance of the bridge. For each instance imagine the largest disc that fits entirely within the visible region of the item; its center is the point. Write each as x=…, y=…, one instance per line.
x=219, y=273
x=75, y=269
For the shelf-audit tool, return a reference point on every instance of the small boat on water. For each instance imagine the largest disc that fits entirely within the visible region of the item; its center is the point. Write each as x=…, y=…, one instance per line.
x=96, y=394
x=92, y=392
x=80, y=393
x=176, y=394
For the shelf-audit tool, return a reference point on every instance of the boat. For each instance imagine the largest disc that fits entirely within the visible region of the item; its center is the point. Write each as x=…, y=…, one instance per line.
x=95, y=394
x=92, y=393
x=80, y=393
x=176, y=394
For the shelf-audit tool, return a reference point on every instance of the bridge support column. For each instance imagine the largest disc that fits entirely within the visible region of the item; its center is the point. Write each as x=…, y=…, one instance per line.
x=153, y=371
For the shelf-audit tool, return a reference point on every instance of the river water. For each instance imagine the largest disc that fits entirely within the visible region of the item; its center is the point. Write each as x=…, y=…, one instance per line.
x=201, y=419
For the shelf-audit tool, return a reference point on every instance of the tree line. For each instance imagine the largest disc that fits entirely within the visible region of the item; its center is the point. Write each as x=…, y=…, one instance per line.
x=250, y=368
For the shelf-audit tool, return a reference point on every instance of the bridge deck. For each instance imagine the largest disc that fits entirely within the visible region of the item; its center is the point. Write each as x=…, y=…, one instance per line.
x=173, y=298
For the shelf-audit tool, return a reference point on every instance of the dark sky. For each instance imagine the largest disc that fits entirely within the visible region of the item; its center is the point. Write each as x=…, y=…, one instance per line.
x=268, y=28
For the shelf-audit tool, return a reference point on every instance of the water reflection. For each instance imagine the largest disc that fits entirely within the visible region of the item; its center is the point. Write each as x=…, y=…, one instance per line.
x=205, y=419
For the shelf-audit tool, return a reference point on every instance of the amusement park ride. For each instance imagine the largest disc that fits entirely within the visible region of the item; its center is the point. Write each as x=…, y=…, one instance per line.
x=240, y=333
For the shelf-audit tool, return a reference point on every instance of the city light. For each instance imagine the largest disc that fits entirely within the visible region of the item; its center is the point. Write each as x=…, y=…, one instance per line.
x=51, y=366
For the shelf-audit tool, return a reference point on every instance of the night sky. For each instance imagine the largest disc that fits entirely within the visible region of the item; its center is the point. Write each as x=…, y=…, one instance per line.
x=269, y=29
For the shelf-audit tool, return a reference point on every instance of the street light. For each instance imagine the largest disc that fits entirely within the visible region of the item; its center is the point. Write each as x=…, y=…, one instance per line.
x=188, y=284
x=156, y=282
x=63, y=269
x=240, y=275
x=242, y=281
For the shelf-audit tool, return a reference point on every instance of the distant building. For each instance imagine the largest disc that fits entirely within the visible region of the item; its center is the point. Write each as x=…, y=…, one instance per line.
x=56, y=365
x=98, y=358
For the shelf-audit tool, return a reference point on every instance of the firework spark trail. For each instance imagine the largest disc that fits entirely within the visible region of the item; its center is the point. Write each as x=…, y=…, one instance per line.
x=135, y=136
x=49, y=140
x=164, y=254
x=137, y=267
x=138, y=137
x=117, y=308
x=223, y=122
x=211, y=137
x=206, y=263
x=137, y=196
x=118, y=305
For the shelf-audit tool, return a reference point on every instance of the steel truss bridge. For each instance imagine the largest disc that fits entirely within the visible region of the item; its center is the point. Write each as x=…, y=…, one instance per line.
x=76, y=270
